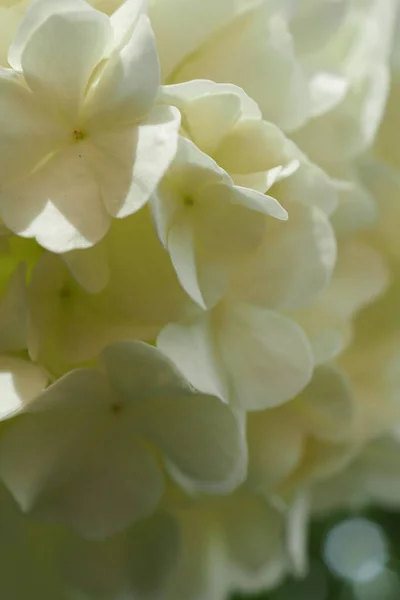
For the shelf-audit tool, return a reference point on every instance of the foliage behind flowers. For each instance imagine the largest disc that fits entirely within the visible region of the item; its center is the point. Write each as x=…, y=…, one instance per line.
x=199, y=273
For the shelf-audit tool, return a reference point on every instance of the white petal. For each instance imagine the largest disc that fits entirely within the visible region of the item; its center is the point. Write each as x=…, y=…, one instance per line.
x=327, y=89
x=124, y=19
x=201, y=571
x=36, y=14
x=60, y=55
x=181, y=94
x=251, y=146
x=138, y=371
x=327, y=404
x=129, y=163
x=313, y=27
x=360, y=276
x=250, y=51
x=38, y=449
x=208, y=118
x=124, y=477
x=152, y=550
x=192, y=168
x=190, y=345
x=267, y=357
x=253, y=533
x=80, y=390
x=200, y=436
x=308, y=184
x=182, y=250
x=128, y=84
x=74, y=449
x=249, y=356
x=293, y=265
x=20, y=382
x=276, y=442
x=60, y=204
x=351, y=127
x=260, y=202
x=141, y=559
x=89, y=267
x=196, y=432
x=227, y=222
x=27, y=134
x=201, y=21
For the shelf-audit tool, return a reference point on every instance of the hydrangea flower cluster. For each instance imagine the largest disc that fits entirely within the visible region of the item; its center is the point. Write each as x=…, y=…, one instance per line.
x=199, y=279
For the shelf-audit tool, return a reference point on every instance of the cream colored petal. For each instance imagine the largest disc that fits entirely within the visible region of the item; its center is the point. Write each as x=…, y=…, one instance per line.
x=59, y=55
x=20, y=382
x=293, y=265
x=60, y=204
x=128, y=83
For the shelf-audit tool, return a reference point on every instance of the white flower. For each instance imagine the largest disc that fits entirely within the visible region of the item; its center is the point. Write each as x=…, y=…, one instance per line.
x=81, y=141
x=98, y=434
x=207, y=223
x=244, y=349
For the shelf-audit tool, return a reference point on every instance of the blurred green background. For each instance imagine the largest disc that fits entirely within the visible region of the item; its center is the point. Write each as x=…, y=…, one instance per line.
x=352, y=557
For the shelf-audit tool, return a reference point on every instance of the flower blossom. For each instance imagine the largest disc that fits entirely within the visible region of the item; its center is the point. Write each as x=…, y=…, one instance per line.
x=81, y=139
x=98, y=433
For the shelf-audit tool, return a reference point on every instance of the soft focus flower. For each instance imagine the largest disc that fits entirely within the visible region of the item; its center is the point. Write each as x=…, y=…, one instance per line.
x=96, y=434
x=199, y=283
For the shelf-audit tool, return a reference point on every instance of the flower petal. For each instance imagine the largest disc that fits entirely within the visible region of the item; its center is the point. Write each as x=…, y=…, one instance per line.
x=249, y=356
x=60, y=54
x=253, y=533
x=60, y=204
x=138, y=371
x=251, y=146
x=74, y=449
x=128, y=84
x=252, y=49
x=202, y=438
x=276, y=442
x=129, y=163
x=327, y=404
x=89, y=267
x=27, y=134
x=267, y=357
x=293, y=265
x=152, y=550
x=20, y=382
x=190, y=344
